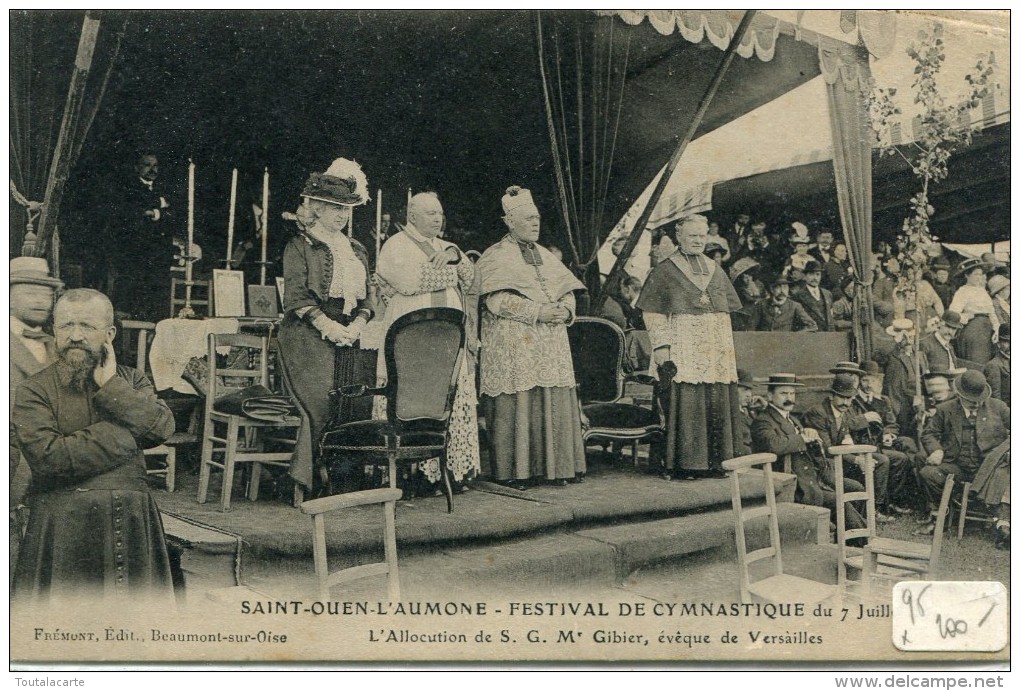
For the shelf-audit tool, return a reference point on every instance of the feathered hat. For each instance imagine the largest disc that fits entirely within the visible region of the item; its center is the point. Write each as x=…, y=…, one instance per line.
x=343, y=183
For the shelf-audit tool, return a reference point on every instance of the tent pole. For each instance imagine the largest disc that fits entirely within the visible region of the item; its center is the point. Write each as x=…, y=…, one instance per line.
x=616, y=273
x=60, y=166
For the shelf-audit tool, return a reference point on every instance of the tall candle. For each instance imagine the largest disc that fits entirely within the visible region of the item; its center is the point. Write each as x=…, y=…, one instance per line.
x=350, y=223
x=265, y=225
x=230, y=221
x=378, y=225
x=191, y=220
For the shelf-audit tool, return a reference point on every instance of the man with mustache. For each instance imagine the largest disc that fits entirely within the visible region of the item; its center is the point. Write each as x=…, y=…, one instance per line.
x=779, y=312
x=94, y=530
x=777, y=431
x=836, y=421
x=968, y=437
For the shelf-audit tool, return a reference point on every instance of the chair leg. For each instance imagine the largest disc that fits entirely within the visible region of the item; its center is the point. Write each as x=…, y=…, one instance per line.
x=171, y=468
x=445, y=472
x=319, y=555
x=869, y=566
x=299, y=495
x=205, y=461
x=634, y=452
x=963, y=513
x=253, y=482
x=228, y=463
x=390, y=548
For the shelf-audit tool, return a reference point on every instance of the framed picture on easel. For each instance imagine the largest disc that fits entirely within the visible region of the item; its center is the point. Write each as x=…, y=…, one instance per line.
x=228, y=293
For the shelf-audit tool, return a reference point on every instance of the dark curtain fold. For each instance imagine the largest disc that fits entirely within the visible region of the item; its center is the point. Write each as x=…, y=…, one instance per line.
x=44, y=46
x=852, y=139
x=583, y=64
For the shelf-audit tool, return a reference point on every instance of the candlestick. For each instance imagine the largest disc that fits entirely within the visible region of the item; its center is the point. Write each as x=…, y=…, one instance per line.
x=378, y=225
x=230, y=221
x=350, y=223
x=265, y=225
x=186, y=311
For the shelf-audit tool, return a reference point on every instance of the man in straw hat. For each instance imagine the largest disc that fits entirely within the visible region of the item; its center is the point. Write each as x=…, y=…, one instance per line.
x=835, y=420
x=31, y=305
x=997, y=369
x=527, y=376
x=799, y=449
x=900, y=385
x=962, y=434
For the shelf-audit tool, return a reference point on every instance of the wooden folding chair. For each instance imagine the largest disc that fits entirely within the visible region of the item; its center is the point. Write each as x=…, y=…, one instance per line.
x=318, y=508
x=244, y=438
x=778, y=586
x=882, y=558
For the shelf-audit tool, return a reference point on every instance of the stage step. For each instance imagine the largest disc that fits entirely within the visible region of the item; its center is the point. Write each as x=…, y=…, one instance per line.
x=590, y=559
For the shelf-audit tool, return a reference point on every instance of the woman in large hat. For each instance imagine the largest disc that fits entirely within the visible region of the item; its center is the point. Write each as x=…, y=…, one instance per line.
x=977, y=313
x=326, y=304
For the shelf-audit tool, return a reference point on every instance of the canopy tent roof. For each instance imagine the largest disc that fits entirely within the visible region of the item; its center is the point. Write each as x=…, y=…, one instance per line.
x=971, y=205
x=449, y=101
x=792, y=132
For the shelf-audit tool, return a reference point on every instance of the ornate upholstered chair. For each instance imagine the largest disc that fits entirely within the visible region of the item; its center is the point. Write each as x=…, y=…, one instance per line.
x=598, y=347
x=424, y=350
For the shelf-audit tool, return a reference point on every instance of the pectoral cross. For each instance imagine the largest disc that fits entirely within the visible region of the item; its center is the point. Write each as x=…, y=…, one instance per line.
x=704, y=299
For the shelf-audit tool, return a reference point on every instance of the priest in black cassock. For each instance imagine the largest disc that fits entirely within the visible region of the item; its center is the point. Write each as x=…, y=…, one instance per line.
x=686, y=301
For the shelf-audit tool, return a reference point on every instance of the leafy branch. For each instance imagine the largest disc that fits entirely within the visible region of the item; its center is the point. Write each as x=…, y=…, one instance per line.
x=942, y=128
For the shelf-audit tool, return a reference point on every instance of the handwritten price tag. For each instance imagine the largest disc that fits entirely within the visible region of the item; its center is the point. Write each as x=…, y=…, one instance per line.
x=958, y=616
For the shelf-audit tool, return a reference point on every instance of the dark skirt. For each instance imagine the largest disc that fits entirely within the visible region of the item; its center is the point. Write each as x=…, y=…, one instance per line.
x=534, y=434
x=312, y=367
x=91, y=544
x=974, y=342
x=706, y=426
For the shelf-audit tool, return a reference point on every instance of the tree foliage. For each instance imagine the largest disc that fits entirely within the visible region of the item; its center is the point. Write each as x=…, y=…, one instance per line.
x=943, y=127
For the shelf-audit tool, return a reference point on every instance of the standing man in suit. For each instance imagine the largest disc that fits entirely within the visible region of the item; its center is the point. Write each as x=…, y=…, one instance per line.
x=940, y=280
x=140, y=245
x=31, y=297
x=775, y=430
x=997, y=369
x=779, y=312
x=958, y=438
x=900, y=386
x=815, y=300
x=938, y=347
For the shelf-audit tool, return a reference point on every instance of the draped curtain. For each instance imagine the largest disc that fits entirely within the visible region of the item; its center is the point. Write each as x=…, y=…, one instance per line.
x=44, y=46
x=852, y=139
x=583, y=65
